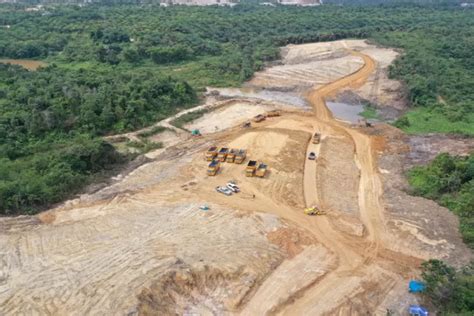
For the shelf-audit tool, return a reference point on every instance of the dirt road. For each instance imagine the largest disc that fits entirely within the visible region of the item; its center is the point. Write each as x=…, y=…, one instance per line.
x=362, y=268
x=354, y=264
x=143, y=246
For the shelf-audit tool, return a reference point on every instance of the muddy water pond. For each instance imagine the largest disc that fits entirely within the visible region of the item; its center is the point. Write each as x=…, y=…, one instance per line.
x=263, y=94
x=346, y=112
x=25, y=63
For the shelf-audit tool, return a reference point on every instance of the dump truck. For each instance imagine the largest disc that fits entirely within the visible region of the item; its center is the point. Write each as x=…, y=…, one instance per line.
x=261, y=170
x=259, y=118
x=316, y=138
x=213, y=167
x=251, y=167
x=211, y=153
x=231, y=155
x=222, y=154
x=313, y=210
x=273, y=113
x=240, y=156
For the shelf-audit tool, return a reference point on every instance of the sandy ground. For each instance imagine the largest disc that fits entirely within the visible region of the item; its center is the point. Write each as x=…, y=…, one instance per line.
x=306, y=74
x=320, y=63
x=143, y=246
x=424, y=148
x=229, y=116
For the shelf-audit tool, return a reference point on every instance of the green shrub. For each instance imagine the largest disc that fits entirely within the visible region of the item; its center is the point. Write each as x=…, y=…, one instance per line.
x=449, y=181
x=451, y=291
x=188, y=117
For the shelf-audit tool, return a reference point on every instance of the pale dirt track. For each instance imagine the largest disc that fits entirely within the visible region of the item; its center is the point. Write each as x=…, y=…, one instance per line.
x=142, y=246
x=351, y=263
x=362, y=268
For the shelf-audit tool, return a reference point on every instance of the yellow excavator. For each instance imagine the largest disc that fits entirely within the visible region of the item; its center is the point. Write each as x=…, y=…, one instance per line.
x=314, y=210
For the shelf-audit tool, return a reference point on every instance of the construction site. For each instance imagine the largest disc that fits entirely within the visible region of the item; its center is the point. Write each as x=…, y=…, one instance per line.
x=271, y=209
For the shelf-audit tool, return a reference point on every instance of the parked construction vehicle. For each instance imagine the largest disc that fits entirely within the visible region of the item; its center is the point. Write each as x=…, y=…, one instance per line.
x=211, y=153
x=313, y=210
x=261, y=170
x=273, y=113
x=316, y=138
x=231, y=155
x=251, y=167
x=240, y=156
x=222, y=154
x=259, y=118
x=365, y=123
x=213, y=167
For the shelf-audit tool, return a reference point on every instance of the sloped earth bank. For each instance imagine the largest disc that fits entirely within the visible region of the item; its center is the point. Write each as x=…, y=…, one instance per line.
x=143, y=246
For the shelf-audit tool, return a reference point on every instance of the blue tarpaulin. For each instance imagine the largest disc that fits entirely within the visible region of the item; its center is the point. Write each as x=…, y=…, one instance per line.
x=416, y=310
x=416, y=286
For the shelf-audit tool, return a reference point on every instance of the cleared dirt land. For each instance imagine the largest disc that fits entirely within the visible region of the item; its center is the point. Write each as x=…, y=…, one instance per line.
x=26, y=63
x=143, y=246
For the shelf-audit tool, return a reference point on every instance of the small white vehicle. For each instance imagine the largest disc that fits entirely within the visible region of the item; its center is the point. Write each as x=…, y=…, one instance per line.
x=224, y=190
x=233, y=187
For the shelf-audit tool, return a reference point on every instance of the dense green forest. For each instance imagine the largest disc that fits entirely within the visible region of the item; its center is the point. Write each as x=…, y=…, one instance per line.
x=451, y=291
x=120, y=67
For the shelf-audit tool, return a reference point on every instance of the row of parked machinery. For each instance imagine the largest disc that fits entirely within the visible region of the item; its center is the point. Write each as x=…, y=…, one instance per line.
x=217, y=155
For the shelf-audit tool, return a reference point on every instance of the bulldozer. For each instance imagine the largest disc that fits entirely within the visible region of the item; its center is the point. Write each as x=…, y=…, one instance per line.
x=261, y=170
x=314, y=210
x=213, y=167
x=365, y=123
x=211, y=153
x=247, y=124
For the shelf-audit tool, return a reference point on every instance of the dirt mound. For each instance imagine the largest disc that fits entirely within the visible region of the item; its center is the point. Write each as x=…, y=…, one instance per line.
x=188, y=290
x=104, y=255
x=292, y=241
x=419, y=226
x=338, y=175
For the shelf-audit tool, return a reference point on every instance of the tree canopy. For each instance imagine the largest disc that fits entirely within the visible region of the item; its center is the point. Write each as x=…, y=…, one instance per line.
x=114, y=68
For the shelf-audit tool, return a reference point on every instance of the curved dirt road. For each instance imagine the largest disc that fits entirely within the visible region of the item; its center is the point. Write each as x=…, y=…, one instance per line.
x=356, y=264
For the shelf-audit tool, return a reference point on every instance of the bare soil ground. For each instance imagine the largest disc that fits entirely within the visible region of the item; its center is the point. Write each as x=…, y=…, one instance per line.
x=386, y=94
x=296, y=75
x=143, y=246
x=227, y=117
x=26, y=63
x=413, y=218
x=424, y=148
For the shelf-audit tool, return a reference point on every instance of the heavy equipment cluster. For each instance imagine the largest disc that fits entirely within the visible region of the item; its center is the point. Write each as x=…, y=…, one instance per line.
x=216, y=156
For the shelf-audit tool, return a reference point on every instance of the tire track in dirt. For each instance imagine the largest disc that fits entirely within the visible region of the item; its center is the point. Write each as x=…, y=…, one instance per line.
x=355, y=265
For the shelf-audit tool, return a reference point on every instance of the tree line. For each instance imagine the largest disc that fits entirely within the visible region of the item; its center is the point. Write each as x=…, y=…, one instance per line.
x=119, y=67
